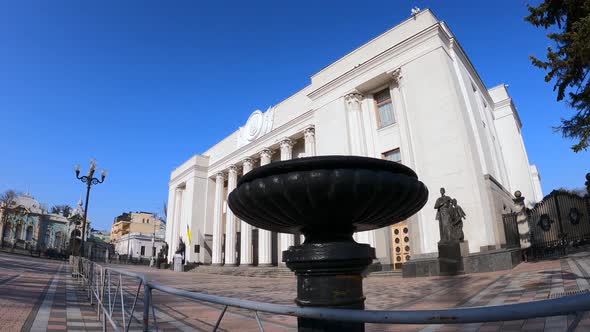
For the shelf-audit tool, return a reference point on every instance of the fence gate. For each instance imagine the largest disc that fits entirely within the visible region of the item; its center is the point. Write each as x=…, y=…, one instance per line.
x=559, y=221
x=511, y=230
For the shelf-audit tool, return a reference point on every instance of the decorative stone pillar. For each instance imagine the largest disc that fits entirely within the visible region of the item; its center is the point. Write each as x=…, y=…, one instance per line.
x=217, y=219
x=245, y=228
x=286, y=240
x=522, y=222
x=358, y=145
x=230, y=220
x=265, y=236
x=176, y=224
x=309, y=138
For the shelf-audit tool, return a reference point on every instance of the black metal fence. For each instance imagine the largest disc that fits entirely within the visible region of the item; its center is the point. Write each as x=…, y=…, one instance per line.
x=558, y=222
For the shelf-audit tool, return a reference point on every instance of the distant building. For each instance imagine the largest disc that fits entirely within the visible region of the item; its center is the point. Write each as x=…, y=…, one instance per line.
x=26, y=224
x=135, y=222
x=104, y=236
x=138, y=245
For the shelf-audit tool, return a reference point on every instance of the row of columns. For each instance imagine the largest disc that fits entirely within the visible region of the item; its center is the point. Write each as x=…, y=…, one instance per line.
x=264, y=236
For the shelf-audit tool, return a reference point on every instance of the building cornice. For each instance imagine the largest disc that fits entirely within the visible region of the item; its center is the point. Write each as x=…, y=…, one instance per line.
x=506, y=104
x=193, y=168
x=497, y=183
x=392, y=52
x=454, y=45
x=360, y=47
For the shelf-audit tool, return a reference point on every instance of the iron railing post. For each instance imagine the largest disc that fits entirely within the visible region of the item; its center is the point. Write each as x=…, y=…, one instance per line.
x=146, y=305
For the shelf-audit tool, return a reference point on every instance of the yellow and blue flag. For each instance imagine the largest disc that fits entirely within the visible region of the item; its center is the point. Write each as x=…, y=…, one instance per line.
x=188, y=234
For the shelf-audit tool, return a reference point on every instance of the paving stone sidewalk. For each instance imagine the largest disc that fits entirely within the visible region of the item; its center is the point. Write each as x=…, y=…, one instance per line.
x=527, y=282
x=41, y=295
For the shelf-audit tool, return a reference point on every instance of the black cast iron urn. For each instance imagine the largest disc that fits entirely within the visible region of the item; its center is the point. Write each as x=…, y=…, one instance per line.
x=327, y=199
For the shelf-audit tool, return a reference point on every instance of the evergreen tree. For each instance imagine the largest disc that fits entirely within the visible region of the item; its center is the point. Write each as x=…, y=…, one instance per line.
x=568, y=62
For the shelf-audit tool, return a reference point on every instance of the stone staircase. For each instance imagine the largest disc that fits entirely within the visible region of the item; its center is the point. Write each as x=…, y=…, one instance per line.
x=269, y=272
x=390, y=273
x=260, y=272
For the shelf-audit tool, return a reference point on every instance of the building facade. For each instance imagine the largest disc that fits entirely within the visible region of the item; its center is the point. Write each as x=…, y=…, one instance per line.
x=135, y=222
x=137, y=245
x=26, y=224
x=409, y=95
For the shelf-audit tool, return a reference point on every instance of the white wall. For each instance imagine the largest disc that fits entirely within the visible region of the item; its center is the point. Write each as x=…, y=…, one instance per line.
x=132, y=244
x=191, y=177
x=508, y=126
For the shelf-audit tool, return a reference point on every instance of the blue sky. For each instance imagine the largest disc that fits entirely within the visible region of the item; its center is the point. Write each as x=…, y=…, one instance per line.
x=143, y=85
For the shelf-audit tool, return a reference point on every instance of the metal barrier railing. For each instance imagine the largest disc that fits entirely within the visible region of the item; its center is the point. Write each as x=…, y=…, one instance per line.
x=98, y=282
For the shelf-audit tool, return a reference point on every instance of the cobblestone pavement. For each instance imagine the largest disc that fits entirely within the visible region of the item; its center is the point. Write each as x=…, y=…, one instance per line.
x=40, y=295
x=527, y=282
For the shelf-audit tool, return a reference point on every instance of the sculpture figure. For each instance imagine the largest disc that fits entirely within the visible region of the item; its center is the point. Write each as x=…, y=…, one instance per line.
x=444, y=214
x=450, y=217
x=457, y=221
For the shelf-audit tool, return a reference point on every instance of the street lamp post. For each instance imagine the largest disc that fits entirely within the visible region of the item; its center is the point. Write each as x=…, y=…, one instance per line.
x=152, y=262
x=89, y=180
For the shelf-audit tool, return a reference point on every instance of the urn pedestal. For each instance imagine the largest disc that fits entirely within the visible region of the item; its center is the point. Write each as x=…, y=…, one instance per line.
x=327, y=199
x=329, y=275
x=450, y=257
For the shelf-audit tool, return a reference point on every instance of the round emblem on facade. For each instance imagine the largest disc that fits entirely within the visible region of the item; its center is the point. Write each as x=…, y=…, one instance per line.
x=254, y=125
x=574, y=216
x=545, y=222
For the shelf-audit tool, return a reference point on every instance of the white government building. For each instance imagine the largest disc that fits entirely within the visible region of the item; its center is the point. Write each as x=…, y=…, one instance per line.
x=409, y=95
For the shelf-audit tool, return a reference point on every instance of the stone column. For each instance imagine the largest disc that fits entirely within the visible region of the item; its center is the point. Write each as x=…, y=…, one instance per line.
x=176, y=222
x=264, y=236
x=358, y=146
x=217, y=222
x=309, y=138
x=230, y=220
x=245, y=228
x=286, y=240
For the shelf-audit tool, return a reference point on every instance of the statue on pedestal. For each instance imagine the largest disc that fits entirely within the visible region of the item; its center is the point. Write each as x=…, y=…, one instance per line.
x=450, y=217
x=181, y=249
x=444, y=214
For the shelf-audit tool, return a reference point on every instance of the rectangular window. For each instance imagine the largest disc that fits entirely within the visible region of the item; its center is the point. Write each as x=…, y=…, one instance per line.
x=385, y=115
x=393, y=155
x=143, y=250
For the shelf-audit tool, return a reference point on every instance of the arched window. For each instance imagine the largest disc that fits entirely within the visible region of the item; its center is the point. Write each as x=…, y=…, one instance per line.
x=18, y=233
x=7, y=231
x=58, y=239
x=29, y=233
